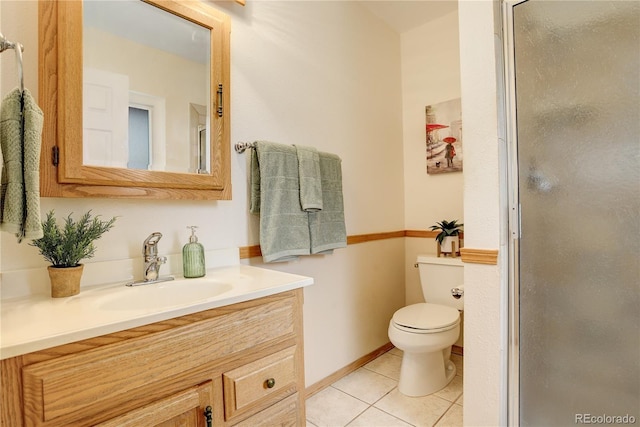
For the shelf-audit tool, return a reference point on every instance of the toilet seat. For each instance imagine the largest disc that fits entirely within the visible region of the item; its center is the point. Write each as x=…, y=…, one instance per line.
x=425, y=318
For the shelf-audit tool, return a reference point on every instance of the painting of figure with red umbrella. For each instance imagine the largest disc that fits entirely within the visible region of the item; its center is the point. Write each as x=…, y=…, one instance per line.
x=444, y=136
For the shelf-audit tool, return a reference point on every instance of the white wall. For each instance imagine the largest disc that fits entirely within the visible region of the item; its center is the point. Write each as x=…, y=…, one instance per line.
x=482, y=361
x=430, y=75
x=325, y=74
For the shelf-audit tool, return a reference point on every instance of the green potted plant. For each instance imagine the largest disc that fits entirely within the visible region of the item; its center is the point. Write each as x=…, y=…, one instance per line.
x=64, y=247
x=449, y=237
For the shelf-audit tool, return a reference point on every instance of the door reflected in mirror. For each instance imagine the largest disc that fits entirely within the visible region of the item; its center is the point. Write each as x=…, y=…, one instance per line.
x=146, y=87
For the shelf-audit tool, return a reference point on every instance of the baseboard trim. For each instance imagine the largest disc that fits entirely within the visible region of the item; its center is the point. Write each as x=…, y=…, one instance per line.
x=479, y=256
x=250, y=251
x=471, y=256
x=254, y=250
x=326, y=382
x=455, y=349
x=372, y=237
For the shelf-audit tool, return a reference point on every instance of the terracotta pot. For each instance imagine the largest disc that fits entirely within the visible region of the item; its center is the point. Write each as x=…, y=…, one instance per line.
x=65, y=281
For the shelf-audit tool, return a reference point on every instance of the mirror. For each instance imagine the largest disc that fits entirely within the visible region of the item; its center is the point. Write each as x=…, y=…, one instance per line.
x=141, y=106
x=131, y=117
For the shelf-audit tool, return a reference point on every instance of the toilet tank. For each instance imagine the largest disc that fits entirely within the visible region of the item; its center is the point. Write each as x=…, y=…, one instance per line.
x=438, y=276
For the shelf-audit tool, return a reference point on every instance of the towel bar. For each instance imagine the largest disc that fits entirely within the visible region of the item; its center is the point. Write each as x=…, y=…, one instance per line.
x=240, y=147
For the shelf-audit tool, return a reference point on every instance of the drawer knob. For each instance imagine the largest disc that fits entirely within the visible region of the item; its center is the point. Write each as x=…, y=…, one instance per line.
x=270, y=383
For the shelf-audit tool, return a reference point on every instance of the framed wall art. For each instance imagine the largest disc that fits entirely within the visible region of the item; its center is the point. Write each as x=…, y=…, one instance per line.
x=444, y=137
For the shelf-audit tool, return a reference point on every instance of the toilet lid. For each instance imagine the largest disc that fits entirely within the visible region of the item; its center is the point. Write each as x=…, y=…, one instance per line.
x=426, y=316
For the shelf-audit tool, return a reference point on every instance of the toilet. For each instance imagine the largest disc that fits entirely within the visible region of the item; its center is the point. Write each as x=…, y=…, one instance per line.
x=426, y=331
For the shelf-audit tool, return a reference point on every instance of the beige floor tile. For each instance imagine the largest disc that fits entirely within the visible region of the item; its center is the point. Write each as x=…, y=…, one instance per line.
x=374, y=417
x=418, y=411
x=346, y=402
x=333, y=408
x=366, y=385
x=387, y=365
x=396, y=351
x=452, y=391
x=452, y=418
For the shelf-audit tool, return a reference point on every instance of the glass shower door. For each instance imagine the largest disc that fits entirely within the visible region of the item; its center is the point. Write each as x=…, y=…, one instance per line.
x=577, y=97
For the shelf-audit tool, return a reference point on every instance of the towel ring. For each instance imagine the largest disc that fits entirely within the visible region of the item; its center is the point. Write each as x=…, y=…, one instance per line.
x=19, y=48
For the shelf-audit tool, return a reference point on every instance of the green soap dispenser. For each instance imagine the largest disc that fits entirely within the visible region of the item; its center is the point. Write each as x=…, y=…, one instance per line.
x=193, y=256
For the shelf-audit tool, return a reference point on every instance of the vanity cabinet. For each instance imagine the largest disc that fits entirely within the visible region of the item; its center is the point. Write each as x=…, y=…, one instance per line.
x=182, y=409
x=244, y=362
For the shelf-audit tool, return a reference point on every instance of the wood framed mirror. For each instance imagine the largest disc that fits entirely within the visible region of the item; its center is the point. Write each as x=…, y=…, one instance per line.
x=69, y=167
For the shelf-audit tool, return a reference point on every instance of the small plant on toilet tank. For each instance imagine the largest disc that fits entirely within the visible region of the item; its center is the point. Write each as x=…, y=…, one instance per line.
x=449, y=234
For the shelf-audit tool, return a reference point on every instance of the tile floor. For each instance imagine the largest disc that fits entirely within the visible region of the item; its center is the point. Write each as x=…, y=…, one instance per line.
x=369, y=397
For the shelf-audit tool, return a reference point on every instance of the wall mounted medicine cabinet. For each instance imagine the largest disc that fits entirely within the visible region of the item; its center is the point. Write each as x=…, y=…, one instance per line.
x=136, y=99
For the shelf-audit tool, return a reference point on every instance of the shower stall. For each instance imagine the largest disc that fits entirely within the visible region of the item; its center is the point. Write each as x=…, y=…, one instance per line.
x=573, y=156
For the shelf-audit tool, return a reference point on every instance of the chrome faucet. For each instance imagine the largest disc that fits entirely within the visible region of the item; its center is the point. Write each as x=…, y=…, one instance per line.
x=152, y=261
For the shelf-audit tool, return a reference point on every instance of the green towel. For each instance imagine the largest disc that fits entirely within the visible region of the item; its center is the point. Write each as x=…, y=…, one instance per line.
x=20, y=137
x=284, y=226
x=254, y=183
x=310, y=180
x=327, y=228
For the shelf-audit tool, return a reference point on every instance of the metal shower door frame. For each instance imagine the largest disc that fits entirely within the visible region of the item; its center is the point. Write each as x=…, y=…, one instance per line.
x=511, y=227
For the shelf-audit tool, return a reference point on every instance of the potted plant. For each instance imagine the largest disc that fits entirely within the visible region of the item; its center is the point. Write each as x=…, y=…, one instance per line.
x=65, y=247
x=448, y=239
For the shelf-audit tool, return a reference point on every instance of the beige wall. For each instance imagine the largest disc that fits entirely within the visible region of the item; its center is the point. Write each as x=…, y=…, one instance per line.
x=430, y=75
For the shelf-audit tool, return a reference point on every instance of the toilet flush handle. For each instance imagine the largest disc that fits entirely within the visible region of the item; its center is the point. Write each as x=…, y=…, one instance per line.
x=457, y=292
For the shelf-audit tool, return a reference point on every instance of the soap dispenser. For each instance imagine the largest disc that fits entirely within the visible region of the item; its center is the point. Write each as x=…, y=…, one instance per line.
x=193, y=256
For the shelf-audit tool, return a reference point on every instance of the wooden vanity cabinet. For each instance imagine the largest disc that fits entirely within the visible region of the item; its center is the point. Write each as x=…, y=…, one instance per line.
x=244, y=361
x=182, y=409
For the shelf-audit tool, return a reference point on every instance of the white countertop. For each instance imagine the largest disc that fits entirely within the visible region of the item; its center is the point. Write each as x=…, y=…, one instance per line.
x=38, y=322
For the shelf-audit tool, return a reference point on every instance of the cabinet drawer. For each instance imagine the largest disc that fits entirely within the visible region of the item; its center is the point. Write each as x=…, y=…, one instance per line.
x=284, y=414
x=62, y=390
x=260, y=383
x=184, y=409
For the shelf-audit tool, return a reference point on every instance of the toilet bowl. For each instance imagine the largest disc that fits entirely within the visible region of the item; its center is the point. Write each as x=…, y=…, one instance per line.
x=426, y=331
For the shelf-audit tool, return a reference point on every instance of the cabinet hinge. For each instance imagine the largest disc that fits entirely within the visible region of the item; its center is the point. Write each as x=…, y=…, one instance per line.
x=55, y=155
x=220, y=92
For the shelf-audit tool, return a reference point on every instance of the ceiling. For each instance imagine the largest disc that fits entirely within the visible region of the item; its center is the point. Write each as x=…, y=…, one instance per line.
x=404, y=15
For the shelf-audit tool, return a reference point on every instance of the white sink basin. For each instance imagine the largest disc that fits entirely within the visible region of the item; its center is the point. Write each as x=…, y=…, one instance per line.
x=40, y=322
x=174, y=293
